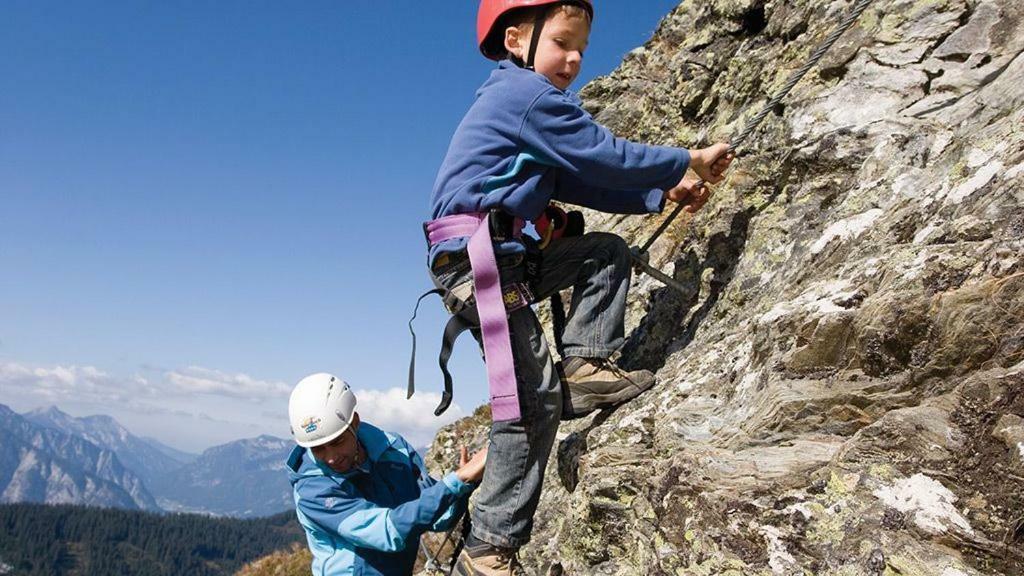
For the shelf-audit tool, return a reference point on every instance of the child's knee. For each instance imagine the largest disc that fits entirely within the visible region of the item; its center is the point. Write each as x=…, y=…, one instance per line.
x=614, y=245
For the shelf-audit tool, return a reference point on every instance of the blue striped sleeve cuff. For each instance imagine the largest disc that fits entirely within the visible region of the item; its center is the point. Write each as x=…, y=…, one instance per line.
x=455, y=485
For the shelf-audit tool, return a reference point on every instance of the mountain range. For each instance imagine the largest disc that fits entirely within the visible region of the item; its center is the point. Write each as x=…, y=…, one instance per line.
x=48, y=456
x=147, y=458
x=244, y=478
x=41, y=464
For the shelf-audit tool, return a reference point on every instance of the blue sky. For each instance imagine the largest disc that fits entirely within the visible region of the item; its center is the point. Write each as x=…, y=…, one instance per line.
x=202, y=202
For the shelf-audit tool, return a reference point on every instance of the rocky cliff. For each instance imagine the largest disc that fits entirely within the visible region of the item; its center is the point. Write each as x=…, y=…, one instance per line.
x=841, y=388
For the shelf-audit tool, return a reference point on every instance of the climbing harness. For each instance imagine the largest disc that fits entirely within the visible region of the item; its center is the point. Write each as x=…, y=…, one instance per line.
x=493, y=304
x=491, y=299
x=641, y=258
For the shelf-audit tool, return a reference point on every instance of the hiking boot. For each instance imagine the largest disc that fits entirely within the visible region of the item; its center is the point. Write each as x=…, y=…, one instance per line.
x=478, y=558
x=598, y=383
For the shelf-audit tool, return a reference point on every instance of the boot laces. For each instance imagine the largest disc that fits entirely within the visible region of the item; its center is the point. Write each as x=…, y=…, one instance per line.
x=515, y=568
x=610, y=366
x=511, y=559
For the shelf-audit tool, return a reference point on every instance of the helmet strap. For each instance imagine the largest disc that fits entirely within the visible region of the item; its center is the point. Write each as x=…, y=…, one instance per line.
x=538, y=25
x=360, y=457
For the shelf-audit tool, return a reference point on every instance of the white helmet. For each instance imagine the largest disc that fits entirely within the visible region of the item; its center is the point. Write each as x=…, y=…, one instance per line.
x=320, y=409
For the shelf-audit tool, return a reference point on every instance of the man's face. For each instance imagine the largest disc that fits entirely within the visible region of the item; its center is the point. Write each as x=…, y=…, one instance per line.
x=341, y=453
x=560, y=49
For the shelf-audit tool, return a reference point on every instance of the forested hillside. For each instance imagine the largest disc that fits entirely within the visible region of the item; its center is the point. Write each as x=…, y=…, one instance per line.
x=53, y=540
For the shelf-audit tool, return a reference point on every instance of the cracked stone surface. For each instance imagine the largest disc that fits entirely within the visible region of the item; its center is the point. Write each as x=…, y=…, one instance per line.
x=841, y=390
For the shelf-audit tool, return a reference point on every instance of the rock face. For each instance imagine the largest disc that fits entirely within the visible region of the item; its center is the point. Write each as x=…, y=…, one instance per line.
x=842, y=390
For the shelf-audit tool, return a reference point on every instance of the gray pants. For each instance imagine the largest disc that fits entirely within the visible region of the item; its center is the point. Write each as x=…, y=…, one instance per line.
x=597, y=266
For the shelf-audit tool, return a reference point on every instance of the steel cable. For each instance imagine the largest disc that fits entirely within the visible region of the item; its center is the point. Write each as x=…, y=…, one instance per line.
x=753, y=123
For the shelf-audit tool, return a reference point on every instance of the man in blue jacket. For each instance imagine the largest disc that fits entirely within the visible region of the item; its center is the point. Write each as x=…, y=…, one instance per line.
x=362, y=495
x=525, y=141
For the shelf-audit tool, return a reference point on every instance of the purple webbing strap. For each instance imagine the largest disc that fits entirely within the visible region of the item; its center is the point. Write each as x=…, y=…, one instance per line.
x=490, y=307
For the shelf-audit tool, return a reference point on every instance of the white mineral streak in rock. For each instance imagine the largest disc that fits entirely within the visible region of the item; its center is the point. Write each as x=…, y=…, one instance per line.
x=977, y=157
x=635, y=420
x=982, y=177
x=939, y=144
x=1013, y=171
x=747, y=385
x=1020, y=448
x=846, y=229
x=928, y=500
x=779, y=558
x=701, y=431
x=926, y=233
x=950, y=571
x=1014, y=370
x=917, y=266
x=940, y=192
x=871, y=266
x=908, y=185
x=803, y=508
x=819, y=298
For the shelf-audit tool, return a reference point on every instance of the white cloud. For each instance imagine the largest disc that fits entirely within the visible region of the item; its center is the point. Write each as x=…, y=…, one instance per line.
x=85, y=383
x=198, y=380
x=195, y=407
x=413, y=418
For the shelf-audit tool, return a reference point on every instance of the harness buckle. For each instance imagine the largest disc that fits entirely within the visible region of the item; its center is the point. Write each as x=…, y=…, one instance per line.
x=501, y=225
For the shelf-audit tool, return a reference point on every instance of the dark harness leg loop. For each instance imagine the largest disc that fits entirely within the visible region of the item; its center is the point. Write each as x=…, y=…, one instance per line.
x=412, y=360
x=456, y=325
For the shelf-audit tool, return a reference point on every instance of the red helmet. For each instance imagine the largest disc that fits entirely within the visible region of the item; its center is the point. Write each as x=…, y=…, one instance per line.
x=492, y=10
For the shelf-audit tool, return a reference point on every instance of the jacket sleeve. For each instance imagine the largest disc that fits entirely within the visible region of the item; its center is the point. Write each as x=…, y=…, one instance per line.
x=338, y=509
x=575, y=191
x=557, y=129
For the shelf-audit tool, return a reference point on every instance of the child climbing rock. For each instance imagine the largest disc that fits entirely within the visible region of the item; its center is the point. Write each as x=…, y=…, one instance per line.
x=525, y=141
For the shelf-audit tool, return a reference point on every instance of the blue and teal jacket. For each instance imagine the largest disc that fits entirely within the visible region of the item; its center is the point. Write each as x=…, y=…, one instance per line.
x=369, y=521
x=524, y=142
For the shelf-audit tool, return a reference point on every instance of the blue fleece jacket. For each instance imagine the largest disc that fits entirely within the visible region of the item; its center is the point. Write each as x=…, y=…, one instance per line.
x=524, y=142
x=369, y=521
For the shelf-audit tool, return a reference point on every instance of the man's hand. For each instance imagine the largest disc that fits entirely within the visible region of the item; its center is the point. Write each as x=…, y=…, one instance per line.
x=689, y=192
x=711, y=163
x=471, y=469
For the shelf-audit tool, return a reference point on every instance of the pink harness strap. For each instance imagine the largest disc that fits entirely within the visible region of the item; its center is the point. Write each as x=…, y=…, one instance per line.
x=501, y=373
